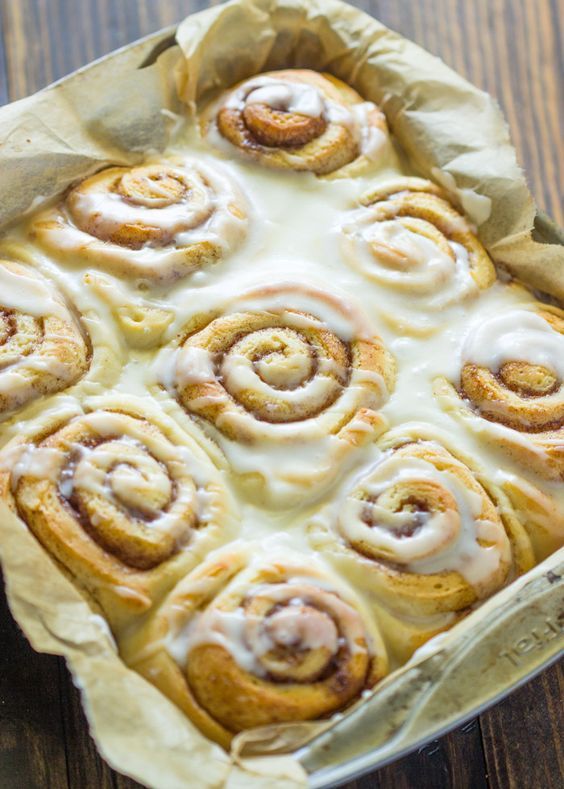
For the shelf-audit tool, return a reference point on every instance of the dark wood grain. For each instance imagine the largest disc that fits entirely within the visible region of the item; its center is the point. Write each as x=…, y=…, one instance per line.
x=85, y=767
x=509, y=759
x=511, y=48
x=33, y=745
x=456, y=760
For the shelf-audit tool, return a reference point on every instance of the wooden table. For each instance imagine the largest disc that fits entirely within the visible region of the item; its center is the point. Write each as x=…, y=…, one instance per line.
x=507, y=47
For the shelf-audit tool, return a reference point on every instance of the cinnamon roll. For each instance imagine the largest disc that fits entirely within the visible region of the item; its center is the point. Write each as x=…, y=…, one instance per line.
x=424, y=535
x=250, y=639
x=408, y=238
x=120, y=497
x=155, y=222
x=511, y=386
x=285, y=366
x=43, y=348
x=297, y=119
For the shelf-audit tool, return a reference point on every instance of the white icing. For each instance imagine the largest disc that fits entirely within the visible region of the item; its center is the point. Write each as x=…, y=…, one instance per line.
x=322, y=309
x=372, y=139
x=296, y=97
x=311, y=616
x=292, y=240
x=515, y=335
x=478, y=207
x=109, y=210
x=28, y=293
x=193, y=365
x=31, y=352
x=27, y=460
x=135, y=471
x=290, y=97
x=397, y=257
x=441, y=541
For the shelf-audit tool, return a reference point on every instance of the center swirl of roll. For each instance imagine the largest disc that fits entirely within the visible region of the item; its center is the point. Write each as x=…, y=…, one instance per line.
x=405, y=510
x=283, y=360
x=407, y=245
x=409, y=237
x=143, y=206
x=407, y=506
x=274, y=373
x=296, y=638
x=513, y=369
x=281, y=374
x=136, y=481
x=153, y=187
x=136, y=503
x=283, y=114
x=272, y=114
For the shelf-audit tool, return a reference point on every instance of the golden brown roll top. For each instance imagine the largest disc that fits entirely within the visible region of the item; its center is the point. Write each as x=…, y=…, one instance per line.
x=155, y=222
x=120, y=497
x=297, y=119
x=540, y=513
x=43, y=348
x=408, y=238
x=254, y=638
x=277, y=377
x=511, y=387
x=424, y=535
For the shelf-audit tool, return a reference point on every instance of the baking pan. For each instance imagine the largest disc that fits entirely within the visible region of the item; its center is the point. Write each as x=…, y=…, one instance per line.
x=506, y=642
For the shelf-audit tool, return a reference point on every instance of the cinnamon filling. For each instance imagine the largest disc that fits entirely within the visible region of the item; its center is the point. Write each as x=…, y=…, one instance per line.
x=20, y=336
x=304, y=640
x=8, y=326
x=285, y=360
x=276, y=128
x=151, y=188
x=142, y=513
x=528, y=380
x=417, y=508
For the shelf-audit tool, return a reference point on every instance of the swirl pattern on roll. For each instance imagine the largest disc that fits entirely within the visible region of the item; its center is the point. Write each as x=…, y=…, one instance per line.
x=119, y=498
x=42, y=346
x=299, y=120
x=512, y=382
x=156, y=222
x=410, y=238
x=423, y=533
x=281, y=633
x=264, y=369
x=267, y=375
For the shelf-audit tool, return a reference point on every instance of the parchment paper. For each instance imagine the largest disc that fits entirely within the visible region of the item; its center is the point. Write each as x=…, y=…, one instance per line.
x=441, y=120
x=108, y=112
x=112, y=112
